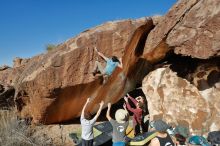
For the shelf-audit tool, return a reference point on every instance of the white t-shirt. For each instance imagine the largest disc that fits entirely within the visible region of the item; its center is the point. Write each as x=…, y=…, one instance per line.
x=87, y=128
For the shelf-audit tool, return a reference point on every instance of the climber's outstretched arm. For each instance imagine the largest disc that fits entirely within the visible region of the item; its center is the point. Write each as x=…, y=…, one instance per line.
x=100, y=54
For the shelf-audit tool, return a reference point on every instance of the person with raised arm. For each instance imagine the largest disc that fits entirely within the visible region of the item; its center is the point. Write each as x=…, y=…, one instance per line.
x=87, y=123
x=138, y=123
x=119, y=125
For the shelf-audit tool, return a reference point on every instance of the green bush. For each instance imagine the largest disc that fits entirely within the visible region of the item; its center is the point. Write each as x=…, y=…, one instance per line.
x=50, y=47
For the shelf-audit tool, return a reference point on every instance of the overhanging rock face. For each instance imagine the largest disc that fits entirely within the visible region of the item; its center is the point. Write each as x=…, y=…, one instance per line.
x=54, y=87
x=191, y=28
x=198, y=34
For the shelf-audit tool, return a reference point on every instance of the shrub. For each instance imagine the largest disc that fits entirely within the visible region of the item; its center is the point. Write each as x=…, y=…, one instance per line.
x=16, y=132
x=50, y=47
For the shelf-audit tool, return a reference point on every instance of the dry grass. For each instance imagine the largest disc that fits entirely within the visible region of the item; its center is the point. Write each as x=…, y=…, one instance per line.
x=14, y=132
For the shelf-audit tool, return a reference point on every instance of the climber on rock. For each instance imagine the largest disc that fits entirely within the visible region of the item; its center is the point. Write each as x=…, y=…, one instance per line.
x=111, y=64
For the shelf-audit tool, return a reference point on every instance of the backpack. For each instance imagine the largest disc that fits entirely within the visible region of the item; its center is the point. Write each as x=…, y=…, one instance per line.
x=214, y=137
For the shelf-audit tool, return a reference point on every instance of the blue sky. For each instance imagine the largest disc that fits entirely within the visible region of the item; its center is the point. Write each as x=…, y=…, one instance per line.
x=27, y=26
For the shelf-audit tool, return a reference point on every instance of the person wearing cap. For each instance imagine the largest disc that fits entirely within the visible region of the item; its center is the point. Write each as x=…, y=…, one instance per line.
x=119, y=125
x=87, y=123
x=138, y=121
x=162, y=138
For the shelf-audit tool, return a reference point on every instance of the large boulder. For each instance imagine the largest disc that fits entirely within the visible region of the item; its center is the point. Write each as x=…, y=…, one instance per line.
x=198, y=34
x=179, y=102
x=190, y=28
x=54, y=86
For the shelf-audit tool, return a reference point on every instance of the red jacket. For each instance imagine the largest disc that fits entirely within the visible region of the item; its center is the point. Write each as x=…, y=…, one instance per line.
x=137, y=112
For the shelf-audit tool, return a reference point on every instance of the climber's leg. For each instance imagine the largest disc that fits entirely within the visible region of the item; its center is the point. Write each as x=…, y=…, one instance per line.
x=98, y=68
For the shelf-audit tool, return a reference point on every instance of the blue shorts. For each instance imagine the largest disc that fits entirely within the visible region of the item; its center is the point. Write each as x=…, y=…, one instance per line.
x=119, y=144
